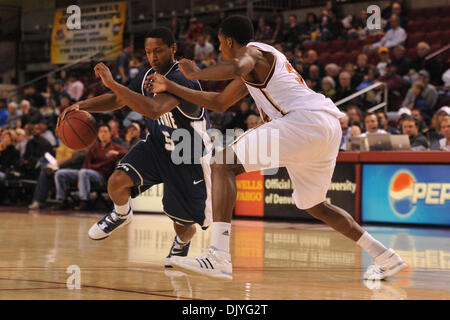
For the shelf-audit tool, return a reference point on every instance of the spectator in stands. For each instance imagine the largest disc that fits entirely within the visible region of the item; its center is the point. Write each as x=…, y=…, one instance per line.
x=369, y=79
x=101, y=160
x=310, y=59
x=415, y=99
x=30, y=114
x=176, y=27
x=203, y=49
x=360, y=27
x=311, y=27
x=134, y=66
x=391, y=79
x=418, y=116
x=383, y=55
x=22, y=139
x=59, y=92
x=47, y=134
x=371, y=124
x=355, y=115
x=433, y=66
x=280, y=31
x=14, y=115
x=133, y=135
x=252, y=121
x=444, y=91
x=121, y=67
x=36, y=99
x=345, y=86
x=394, y=36
x=430, y=94
x=9, y=155
x=333, y=28
x=384, y=123
x=417, y=140
x=332, y=70
x=328, y=87
x=360, y=69
x=445, y=130
x=195, y=30
x=345, y=123
x=3, y=113
x=397, y=11
x=313, y=80
x=241, y=115
x=114, y=127
x=400, y=60
x=35, y=148
x=75, y=88
x=263, y=32
x=293, y=32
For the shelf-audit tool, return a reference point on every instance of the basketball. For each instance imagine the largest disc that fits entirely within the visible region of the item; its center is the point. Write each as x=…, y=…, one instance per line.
x=78, y=130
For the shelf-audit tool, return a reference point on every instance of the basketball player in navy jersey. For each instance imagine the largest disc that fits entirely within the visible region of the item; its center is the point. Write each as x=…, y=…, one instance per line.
x=186, y=185
x=309, y=131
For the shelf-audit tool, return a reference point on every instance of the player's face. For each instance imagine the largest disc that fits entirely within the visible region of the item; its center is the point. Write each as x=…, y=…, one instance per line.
x=225, y=47
x=159, y=54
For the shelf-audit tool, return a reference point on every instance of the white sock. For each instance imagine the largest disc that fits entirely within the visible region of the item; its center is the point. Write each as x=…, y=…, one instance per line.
x=123, y=209
x=371, y=245
x=180, y=241
x=220, y=239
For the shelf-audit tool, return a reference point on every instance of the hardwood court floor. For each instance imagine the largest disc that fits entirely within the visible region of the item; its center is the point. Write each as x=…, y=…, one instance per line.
x=289, y=261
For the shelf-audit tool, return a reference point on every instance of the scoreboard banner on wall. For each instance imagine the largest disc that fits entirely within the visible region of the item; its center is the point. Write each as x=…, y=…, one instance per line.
x=270, y=196
x=400, y=193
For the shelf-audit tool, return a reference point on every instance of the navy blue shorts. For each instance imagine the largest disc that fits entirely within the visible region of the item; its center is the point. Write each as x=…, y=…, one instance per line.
x=186, y=197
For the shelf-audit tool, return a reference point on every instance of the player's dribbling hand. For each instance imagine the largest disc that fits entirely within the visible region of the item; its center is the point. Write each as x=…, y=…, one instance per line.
x=189, y=68
x=156, y=83
x=74, y=107
x=102, y=71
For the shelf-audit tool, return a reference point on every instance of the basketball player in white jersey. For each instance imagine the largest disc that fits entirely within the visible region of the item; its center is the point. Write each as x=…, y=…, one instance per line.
x=309, y=137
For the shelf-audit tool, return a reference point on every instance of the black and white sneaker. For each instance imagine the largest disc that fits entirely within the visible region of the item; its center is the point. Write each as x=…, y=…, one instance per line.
x=178, y=249
x=102, y=229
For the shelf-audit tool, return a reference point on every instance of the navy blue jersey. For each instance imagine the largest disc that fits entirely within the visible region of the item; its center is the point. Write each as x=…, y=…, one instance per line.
x=161, y=130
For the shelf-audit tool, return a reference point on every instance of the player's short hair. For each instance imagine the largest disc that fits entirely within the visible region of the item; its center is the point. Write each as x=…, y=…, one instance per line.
x=162, y=33
x=240, y=28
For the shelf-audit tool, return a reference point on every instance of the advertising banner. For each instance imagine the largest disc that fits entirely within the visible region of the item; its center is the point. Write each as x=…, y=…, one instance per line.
x=100, y=29
x=402, y=193
x=275, y=200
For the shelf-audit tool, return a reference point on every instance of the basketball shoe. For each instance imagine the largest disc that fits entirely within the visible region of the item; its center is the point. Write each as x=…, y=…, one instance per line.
x=386, y=265
x=214, y=263
x=178, y=249
x=103, y=228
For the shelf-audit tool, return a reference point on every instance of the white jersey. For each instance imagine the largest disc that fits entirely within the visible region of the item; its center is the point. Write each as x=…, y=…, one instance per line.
x=284, y=90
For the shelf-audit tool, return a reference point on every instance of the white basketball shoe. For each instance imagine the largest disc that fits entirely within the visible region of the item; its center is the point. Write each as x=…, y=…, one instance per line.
x=112, y=221
x=215, y=264
x=386, y=265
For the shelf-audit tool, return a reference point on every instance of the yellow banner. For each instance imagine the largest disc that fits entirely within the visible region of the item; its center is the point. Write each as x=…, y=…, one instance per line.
x=86, y=30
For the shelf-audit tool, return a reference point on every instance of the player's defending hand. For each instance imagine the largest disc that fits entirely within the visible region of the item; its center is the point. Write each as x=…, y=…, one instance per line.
x=189, y=68
x=156, y=83
x=74, y=107
x=102, y=71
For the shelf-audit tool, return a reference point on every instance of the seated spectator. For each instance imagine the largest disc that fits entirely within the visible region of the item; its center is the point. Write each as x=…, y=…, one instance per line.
x=398, y=11
x=419, y=102
x=383, y=55
x=313, y=78
x=195, y=29
x=135, y=66
x=65, y=102
x=263, y=32
x=393, y=37
x=242, y=114
x=14, y=115
x=433, y=66
x=360, y=69
x=345, y=86
x=400, y=60
x=371, y=124
x=35, y=149
x=310, y=28
x=444, y=91
x=433, y=133
x=328, y=86
x=59, y=92
x=22, y=138
x=418, y=116
x=47, y=134
x=417, y=140
x=203, y=49
x=133, y=135
x=293, y=31
x=355, y=115
x=131, y=117
x=280, y=31
x=3, y=113
x=253, y=121
x=9, y=155
x=46, y=176
x=384, y=123
x=115, y=134
x=369, y=79
x=332, y=29
x=430, y=94
x=391, y=79
x=345, y=122
x=30, y=114
x=360, y=28
x=332, y=70
x=75, y=88
x=444, y=143
x=311, y=58
x=35, y=98
x=101, y=160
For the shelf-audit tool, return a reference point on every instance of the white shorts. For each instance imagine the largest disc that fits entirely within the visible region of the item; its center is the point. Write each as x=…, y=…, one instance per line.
x=308, y=144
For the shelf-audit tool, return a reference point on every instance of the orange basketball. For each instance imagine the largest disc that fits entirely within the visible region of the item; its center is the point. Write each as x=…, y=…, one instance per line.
x=78, y=130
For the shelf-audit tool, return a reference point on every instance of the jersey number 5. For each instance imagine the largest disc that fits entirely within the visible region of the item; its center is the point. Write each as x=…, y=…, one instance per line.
x=291, y=69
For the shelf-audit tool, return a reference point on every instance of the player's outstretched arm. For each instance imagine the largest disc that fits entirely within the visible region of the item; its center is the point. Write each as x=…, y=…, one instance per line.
x=244, y=62
x=215, y=101
x=150, y=107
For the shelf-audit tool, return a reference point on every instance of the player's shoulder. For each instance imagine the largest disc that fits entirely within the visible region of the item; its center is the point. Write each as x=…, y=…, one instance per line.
x=177, y=76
